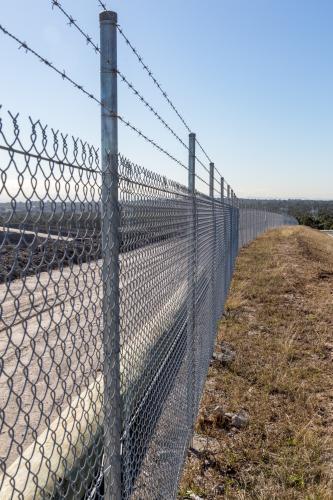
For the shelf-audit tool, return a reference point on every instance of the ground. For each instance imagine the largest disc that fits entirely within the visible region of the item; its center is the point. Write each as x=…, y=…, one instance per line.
x=278, y=319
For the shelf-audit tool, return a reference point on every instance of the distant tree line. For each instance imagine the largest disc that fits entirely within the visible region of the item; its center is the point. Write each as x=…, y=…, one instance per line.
x=314, y=213
x=322, y=220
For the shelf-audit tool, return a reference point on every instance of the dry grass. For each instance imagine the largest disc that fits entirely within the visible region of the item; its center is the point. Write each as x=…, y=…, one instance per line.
x=279, y=319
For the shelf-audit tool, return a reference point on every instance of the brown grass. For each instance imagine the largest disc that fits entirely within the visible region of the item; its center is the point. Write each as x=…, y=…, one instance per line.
x=279, y=319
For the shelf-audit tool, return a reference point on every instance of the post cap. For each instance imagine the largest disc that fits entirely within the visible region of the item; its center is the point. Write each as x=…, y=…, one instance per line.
x=108, y=16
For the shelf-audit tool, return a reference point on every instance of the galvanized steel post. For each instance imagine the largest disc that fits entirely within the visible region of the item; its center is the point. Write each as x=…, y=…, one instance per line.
x=211, y=180
x=232, y=232
x=224, y=251
x=110, y=254
x=238, y=219
x=229, y=232
x=211, y=194
x=192, y=227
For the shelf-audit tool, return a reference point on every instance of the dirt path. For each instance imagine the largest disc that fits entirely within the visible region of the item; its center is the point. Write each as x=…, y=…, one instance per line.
x=279, y=320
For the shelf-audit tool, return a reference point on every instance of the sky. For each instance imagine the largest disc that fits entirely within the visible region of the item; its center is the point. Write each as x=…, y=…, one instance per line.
x=252, y=78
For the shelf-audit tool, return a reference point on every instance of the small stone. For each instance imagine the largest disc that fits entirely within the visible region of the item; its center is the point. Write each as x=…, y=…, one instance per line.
x=228, y=351
x=199, y=443
x=217, y=356
x=240, y=419
x=219, y=489
x=226, y=356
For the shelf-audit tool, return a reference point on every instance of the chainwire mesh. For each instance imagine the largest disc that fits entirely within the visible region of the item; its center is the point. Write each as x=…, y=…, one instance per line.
x=66, y=387
x=51, y=383
x=253, y=221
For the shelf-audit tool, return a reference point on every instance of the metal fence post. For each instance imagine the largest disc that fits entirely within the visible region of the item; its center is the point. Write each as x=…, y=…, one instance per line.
x=224, y=252
x=211, y=180
x=238, y=219
x=192, y=225
x=211, y=194
x=229, y=233
x=110, y=253
x=232, y=232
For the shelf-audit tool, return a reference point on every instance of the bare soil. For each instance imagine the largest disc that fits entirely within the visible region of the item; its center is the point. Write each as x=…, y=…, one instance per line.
x=279, y=320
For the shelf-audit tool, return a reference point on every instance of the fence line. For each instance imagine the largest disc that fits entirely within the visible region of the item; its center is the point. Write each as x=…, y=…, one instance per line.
x=175, y=268
x=112, y=282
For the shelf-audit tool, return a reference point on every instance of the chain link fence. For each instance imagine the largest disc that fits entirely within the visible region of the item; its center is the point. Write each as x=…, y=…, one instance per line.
x=254, y=220
x=66, y=388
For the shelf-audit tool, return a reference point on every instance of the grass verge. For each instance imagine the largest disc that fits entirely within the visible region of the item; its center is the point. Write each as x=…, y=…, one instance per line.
x=278, y=319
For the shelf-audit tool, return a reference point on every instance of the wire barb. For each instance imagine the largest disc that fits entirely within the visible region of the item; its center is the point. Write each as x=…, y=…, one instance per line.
x=102, y=4
x=155, y=113
x=89, y=41
x=64, y=76
x=158, y=85
x=204, y=152
x=73, y=22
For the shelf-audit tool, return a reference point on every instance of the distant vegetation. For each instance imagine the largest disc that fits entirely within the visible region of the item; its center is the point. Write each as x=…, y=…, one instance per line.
x=314, y=213
x=321, y=221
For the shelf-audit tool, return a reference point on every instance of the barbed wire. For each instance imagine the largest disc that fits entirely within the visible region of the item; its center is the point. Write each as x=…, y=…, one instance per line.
x=151, y=141
x=102, y=4
x=201, y=179
x=64, y=76
x=146, y=68
x=73, y=22
x=143, y=100
x=203, y=165
x=208, y=158
x=89, y=41
x=158, y=85
x=96, y=48
x=204, y=152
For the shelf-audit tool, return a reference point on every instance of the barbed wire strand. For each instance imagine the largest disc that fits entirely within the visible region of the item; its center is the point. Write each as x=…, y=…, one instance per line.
x=147, y=69
x=204, y=152
x=201, y=179
x=146, y=103
x=95, y=47
x=64, y=76
x=159, y=86
x=102, y=4
x=72, y=22
x=89, y=41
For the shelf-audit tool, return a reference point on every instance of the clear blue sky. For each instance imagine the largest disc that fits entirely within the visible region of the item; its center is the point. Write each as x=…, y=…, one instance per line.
x=253, y=78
